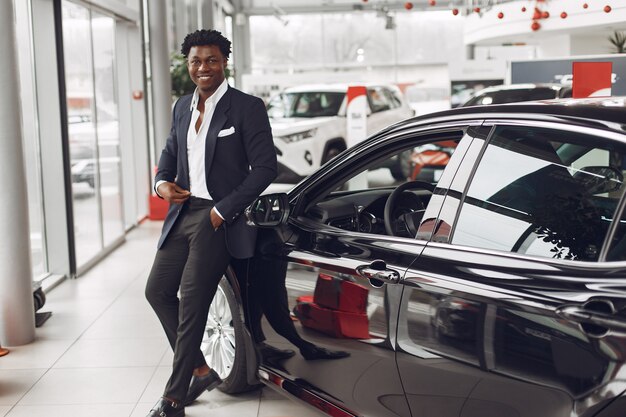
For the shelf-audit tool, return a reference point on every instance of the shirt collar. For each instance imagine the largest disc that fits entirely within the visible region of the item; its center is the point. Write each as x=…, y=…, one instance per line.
x=213, y=98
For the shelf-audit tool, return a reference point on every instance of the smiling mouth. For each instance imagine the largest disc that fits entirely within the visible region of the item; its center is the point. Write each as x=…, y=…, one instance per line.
x=204, y=77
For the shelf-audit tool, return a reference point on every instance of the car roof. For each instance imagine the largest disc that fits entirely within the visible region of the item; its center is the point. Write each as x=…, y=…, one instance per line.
x=525, y=86
x=591, y=111
x=331, y=88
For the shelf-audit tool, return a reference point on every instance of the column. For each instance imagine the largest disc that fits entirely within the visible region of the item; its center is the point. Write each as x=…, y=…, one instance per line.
x=17, y=314
x=160, y=69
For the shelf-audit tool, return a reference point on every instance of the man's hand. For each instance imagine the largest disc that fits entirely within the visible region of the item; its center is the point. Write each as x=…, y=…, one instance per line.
x=216, y=220
x=173, y=193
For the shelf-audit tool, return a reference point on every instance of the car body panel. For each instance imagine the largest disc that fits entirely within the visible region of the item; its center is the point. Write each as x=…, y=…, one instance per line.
x=466, y=330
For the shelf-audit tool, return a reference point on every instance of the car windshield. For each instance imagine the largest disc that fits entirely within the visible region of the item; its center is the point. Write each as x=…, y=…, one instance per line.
x=306, y=104
x=513, y=96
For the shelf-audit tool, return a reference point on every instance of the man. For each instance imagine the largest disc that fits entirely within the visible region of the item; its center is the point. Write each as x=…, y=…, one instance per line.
x=218, y=158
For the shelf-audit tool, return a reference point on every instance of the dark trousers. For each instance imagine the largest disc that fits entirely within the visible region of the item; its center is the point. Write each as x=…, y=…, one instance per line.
x=193, y=259
x=265, y=293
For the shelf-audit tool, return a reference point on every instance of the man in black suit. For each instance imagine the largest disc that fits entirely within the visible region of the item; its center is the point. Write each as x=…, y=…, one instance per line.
x=218, y=158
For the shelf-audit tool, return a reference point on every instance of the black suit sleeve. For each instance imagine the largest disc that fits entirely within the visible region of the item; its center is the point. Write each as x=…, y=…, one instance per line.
x=259, y=148
x=167, y=166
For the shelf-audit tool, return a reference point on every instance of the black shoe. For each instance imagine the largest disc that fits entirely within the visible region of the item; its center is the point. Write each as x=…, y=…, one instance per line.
x=312, y=352
x=199, y=384
x=167, y=408
x=270, y=352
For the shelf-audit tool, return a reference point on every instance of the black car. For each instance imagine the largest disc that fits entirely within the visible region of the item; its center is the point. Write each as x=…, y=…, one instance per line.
x=497, y=290
x=515, y=93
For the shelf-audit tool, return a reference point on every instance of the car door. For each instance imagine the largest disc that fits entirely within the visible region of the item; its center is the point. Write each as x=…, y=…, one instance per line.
x=516, y=307
x=342, y=277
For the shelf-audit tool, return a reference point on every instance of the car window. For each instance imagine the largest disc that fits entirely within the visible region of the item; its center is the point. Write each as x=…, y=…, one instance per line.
x=378, y=99
x=315, y=104
x=357, y=200
x=392, y=99
x=542, y=192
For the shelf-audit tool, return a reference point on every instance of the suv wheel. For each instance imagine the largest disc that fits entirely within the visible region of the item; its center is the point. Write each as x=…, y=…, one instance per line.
x=402, y=169
x=223, y=345
x=332, y=152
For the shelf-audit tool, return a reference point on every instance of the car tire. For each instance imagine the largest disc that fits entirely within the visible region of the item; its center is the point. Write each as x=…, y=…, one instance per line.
x=223, y=342
x=402, y=169
x=332, y=152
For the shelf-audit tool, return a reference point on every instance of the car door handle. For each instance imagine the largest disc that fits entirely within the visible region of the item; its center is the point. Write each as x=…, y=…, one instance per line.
x=378, y=273
x=596, y=318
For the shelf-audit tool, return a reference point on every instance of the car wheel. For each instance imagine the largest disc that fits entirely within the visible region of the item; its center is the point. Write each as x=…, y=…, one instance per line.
x=401, y=170
x=331, y=152
x=223, y=345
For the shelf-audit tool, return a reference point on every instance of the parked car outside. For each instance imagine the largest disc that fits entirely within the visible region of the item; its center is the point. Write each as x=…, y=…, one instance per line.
x=515, y=93
x=497, y=289
x=309, y=124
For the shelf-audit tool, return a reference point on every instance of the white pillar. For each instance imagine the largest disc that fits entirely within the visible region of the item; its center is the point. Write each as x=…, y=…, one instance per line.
x=17, y=314
x=160, y=69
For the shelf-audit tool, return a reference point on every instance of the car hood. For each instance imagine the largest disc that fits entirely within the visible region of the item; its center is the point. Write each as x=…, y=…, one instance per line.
x=288, y=125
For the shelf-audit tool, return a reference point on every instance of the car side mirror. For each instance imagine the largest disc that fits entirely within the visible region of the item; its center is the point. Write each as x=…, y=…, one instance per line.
x=600, y=179
x=268, y=210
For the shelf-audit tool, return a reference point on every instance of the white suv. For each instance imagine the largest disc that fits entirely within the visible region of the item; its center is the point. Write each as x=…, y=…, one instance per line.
x=309, y=124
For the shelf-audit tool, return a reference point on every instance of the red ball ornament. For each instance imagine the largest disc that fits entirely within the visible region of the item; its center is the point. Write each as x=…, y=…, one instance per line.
x=408, y=5
x=477, y=9
x=535, y=26
x=585, y=6
x=607, y=9
x=500, y=15
x=537, y=14
x=432, y=2
x=545, y=15
x=564, y=15
x=455, y=11
x=524, y=9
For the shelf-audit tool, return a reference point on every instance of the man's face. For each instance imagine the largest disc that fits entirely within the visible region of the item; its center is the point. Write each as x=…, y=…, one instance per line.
x=206, y=66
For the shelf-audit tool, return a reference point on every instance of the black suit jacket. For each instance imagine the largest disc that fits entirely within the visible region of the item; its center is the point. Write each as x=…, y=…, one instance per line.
x=238, y=167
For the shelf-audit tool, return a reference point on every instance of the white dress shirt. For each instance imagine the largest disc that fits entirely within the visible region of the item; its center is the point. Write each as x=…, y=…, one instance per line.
x=196, y=142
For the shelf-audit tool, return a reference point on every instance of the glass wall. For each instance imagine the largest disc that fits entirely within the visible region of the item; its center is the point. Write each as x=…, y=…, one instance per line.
x=93, y=127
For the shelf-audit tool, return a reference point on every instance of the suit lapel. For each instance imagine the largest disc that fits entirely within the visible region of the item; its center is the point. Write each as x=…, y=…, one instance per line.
x=183, y=129
x=217, y=122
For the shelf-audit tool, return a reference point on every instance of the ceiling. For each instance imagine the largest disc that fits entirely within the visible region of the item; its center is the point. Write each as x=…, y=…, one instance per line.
x=261, y=7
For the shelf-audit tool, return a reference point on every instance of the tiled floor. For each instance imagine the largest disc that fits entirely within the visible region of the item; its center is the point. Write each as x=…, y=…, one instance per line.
x=103, y=352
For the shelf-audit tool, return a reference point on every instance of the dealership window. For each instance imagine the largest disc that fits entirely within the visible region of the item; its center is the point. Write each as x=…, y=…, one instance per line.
x=93, y=128
x=543, y=192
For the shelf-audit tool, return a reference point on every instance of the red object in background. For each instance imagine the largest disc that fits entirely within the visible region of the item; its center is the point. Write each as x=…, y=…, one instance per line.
x=137, y=94
x=158, y=208
x=455, y=11
x=334, y=323
x=500, y=15
x=408, y=5
x=537, y=14
x=432, y=2
x=607, y=9
x=341, y=295
x=524, y=9
x=564, y=15
x=585, y=6
x=535, y=26
x=591, y=79
x=545, y=15
x=477, y=9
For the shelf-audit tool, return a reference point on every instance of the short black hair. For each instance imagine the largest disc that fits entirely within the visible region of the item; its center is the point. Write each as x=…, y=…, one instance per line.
x=204, y=37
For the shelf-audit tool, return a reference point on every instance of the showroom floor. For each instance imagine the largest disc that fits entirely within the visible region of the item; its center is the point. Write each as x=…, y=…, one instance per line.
x=103, y=352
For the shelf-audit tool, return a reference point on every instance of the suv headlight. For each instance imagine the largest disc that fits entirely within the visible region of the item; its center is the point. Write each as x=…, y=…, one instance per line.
x=297, y=137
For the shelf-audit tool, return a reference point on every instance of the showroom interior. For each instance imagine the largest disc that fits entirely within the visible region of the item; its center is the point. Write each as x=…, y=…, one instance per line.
x=89, y=89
